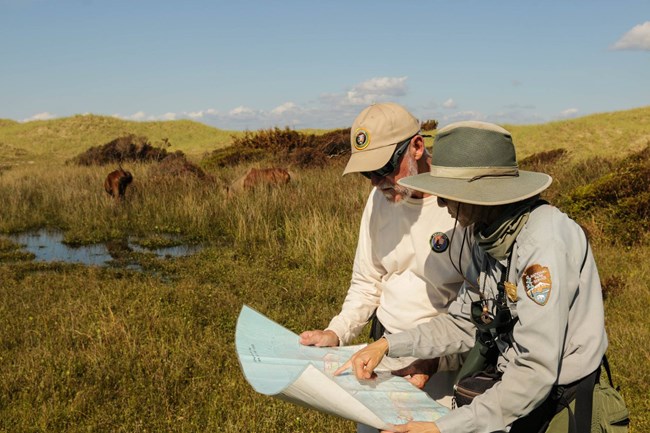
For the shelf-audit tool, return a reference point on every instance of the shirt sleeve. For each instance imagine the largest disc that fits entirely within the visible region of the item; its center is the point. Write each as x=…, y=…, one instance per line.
x=444, y=334
x=363, y=295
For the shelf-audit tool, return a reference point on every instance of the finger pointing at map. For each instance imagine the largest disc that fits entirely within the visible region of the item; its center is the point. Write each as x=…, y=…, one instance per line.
x=363, y=362
x=276, y=363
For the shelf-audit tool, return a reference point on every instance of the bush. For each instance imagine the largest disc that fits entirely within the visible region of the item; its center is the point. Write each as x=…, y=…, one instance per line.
x=282, y=146
x=231, y=156
x=541, y=160
x=176, y=165
x=126, y=148
x=429, y=125
x=619, y=200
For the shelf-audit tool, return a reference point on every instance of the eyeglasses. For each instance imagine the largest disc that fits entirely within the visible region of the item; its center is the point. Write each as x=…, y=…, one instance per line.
x=391, y=165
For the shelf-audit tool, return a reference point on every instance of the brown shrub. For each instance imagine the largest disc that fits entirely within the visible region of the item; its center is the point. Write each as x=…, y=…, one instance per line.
x=176, y=165
x=282, y=146
x=541, y=160
x=126, y=148
x=429, y=125
x=308, y=158
x=334, y=143
x=274, y=140
x=231, y=156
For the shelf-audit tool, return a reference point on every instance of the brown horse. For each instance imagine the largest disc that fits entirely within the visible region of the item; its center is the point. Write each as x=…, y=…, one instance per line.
x=116, y=183
x=259, y=177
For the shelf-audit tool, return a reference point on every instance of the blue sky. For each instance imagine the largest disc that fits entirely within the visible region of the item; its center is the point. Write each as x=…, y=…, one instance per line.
x=251, y=64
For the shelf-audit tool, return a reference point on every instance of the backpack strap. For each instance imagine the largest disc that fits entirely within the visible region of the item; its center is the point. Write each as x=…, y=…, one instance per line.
x=609, y=372
x=584, y=402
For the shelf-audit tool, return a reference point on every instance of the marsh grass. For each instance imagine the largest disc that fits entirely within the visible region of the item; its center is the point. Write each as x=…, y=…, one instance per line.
x=95, y=349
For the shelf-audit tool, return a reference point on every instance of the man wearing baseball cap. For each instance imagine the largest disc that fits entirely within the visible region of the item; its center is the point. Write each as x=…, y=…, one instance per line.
x=531, y=302
x=401, y=275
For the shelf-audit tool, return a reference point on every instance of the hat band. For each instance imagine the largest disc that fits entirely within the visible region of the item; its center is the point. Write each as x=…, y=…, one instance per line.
x=472, y=173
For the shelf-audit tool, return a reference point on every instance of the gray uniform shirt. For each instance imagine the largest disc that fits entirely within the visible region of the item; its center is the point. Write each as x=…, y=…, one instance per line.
x=559, y=335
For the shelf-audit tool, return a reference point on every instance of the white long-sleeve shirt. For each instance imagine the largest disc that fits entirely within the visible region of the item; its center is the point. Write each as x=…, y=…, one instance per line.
x=395, y=269
x=559, y=334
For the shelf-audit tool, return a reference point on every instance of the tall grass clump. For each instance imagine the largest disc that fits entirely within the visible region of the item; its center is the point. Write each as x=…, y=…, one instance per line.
x=302, y=218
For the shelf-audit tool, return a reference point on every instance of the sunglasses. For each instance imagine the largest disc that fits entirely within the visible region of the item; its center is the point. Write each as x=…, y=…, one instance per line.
x=392, y=163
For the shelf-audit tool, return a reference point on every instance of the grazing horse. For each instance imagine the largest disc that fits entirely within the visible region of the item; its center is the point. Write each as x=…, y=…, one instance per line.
x=116, y=183
x=259, y=177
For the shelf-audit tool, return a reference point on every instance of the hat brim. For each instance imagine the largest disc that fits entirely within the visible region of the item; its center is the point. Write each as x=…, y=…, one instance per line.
x=369, y=160
x=487, y=191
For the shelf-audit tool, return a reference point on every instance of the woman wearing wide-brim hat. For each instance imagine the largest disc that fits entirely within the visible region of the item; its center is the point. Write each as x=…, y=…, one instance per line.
x=532, y=294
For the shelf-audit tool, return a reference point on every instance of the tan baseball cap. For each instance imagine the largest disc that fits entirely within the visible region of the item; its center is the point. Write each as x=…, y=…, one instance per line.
x=376, y=132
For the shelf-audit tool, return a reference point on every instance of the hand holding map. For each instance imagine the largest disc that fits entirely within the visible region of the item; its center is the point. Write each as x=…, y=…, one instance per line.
x=276, y=364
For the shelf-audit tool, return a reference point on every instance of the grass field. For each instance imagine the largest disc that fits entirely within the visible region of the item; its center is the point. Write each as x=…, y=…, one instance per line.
x=95, y=349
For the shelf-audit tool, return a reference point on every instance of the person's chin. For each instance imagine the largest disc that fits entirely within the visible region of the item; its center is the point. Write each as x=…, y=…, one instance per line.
x=389, y=194
x=397, y=200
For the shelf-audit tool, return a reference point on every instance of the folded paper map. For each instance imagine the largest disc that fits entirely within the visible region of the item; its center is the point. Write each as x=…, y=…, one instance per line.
x=276, y=364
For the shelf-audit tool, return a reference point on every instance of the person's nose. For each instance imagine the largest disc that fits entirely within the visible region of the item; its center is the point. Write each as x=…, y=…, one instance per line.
x=442, y=202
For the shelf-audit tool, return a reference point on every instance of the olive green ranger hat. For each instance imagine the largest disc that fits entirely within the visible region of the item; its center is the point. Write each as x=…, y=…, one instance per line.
x=475, y=162
x=375, y=134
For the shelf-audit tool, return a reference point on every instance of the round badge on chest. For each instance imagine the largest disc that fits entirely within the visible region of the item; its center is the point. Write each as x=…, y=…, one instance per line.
x=439, y=242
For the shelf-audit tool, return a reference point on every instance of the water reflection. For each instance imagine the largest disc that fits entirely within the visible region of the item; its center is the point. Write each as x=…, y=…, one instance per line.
x=48, y=246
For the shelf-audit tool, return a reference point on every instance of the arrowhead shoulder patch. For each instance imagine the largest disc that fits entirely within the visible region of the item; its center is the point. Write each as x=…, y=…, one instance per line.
x=537, y=281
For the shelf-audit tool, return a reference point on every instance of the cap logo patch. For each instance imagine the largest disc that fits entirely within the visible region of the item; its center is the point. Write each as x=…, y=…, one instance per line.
x=361, y=139
x=439, y=242
x=537, y=281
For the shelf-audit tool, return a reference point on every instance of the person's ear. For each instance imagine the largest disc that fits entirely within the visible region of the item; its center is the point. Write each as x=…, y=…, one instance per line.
x=417, y=147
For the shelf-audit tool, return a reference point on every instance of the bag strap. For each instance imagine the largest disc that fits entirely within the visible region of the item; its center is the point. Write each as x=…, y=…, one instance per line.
x=609, y=372
x=584, y=402
x=377, y=329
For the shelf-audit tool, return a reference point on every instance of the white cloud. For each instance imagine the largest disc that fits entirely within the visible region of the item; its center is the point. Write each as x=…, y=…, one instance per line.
x=449, y=103
x=461, y=115
x=202, y=113
x=242, y=112
x=140, y=115
x=636, y=39
x=376, y=90
x=40, y=116
x=195, y=114
x=568, y=113
x=284, y=108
